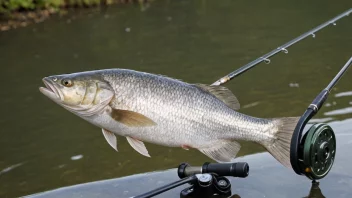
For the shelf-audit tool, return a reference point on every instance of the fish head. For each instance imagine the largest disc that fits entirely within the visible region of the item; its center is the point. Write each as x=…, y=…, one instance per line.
x=83, y=93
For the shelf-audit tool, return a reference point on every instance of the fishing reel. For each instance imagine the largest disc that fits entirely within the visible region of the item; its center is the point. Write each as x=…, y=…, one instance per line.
x=316, y=152
x=313, y=154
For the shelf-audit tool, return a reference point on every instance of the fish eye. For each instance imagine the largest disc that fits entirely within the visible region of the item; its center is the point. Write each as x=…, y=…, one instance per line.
x=67, y=82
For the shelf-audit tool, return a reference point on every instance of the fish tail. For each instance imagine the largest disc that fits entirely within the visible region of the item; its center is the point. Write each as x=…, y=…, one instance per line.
x=280, y=147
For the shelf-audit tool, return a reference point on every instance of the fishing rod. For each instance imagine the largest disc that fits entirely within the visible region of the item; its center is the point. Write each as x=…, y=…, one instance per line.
x=282, y=48
x=313, y=153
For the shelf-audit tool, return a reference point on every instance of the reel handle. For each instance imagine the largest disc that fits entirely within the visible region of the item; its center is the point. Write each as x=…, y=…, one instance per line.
x=239, y=169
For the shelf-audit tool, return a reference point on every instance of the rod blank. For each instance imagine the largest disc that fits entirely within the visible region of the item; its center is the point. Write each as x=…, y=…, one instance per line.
x=339, y=75
x=279, y=49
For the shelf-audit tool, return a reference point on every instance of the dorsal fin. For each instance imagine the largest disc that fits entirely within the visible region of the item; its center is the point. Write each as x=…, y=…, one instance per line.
x=223, y=94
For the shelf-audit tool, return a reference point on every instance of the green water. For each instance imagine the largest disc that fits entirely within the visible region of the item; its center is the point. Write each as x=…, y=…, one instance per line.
x=196, y=41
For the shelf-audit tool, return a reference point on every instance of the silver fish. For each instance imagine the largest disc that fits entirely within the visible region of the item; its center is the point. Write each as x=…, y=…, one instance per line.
x=153, y=108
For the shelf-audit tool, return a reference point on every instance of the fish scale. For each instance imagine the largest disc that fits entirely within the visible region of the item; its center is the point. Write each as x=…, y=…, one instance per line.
x=170, y=94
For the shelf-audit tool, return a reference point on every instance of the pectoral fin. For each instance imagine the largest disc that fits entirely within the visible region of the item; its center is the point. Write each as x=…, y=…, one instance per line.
x=111, y=138
x=138, y=146
x=223, y=94
x=131, y=119
x=222, y=151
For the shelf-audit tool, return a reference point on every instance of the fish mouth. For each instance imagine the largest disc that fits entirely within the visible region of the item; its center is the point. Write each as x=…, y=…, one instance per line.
x=50, y=90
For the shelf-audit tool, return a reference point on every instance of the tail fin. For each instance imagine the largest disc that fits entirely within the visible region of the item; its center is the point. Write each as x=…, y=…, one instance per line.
x=280, y=148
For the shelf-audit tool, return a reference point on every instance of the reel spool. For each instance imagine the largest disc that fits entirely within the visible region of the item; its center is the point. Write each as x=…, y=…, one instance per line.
x=319, y=149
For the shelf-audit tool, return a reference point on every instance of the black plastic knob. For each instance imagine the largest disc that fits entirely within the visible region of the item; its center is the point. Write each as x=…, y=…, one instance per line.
x=240, y=169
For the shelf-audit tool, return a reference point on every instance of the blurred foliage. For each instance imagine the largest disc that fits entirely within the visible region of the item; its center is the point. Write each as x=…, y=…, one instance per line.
x=8, y=6
x=20, y=13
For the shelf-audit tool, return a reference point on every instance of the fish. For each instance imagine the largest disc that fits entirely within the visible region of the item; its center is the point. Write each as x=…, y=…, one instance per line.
x=154, y=108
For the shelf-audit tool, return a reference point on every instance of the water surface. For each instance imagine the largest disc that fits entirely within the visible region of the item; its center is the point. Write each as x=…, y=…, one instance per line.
x=42, y=146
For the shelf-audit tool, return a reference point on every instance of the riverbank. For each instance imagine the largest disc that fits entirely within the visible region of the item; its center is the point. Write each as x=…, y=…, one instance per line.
x=21, y=13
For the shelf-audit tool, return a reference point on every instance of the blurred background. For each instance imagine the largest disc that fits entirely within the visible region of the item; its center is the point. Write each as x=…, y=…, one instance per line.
x=43, y=146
